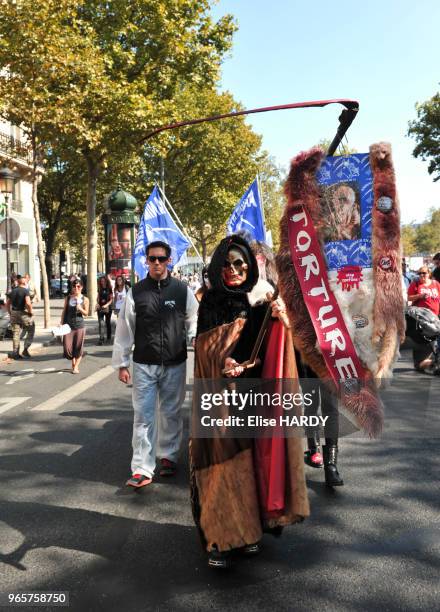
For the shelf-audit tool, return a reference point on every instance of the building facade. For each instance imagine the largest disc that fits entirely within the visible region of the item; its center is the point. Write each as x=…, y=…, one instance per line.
x=24, y=256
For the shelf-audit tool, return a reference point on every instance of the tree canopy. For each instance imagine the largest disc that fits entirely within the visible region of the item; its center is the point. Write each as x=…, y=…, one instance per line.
x=426, y=131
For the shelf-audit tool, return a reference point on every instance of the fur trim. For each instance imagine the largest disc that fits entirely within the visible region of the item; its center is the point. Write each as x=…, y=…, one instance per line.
x=258, y=293
x=389, y=321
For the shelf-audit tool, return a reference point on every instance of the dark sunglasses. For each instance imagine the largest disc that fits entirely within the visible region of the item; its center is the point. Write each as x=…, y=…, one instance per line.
x=423, y=273
x=160, y=258
x=237, y=263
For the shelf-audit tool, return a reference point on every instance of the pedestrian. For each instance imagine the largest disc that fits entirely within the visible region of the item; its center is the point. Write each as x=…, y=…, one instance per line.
x=158, y=315
x=19, y=306
x=31, y=288
x=120, y=293
x=424, y=293
x=234, y=481
x=76, y=307
x=104, y=302
x=436, y=269
x=204, y=286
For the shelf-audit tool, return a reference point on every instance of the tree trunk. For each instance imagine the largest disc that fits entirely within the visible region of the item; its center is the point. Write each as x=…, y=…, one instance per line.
x=40, y=247
x=92, y=234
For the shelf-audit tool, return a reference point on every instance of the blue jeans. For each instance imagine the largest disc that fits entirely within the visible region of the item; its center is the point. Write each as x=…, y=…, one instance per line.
x=158, y=395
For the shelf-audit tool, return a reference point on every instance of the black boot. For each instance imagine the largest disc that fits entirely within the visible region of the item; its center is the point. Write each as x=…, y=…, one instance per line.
x=313, y=456
x=219, y=560
x=332, y=477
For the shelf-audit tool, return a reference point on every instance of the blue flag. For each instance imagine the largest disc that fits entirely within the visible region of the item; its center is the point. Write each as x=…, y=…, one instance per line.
x=157, y=224
x=248, y=215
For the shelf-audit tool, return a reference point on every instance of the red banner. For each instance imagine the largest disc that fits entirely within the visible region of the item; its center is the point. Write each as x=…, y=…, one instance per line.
x=334, y=340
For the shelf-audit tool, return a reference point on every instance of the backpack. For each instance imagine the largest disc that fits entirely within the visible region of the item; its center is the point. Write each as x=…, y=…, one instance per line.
x=422, y=324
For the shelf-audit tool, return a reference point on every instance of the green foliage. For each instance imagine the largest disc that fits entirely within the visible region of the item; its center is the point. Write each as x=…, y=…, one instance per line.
x=209, y=166
x=426, y=132
x=423, y=238
x=343, y=148
x=408, y=237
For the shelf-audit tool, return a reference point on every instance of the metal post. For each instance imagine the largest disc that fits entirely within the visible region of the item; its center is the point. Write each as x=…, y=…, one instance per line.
x=8, y=246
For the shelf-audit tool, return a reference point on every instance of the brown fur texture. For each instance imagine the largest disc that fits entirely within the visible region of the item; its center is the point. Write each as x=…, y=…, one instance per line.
x=224, y=491
x=389, y=321
x=301, y=190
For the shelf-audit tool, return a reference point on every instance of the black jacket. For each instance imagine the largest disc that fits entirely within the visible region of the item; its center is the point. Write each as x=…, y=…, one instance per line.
x=160, y=334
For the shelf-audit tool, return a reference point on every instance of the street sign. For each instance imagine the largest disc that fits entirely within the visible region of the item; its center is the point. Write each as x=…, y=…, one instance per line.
x=14, y=230
x=13, y=245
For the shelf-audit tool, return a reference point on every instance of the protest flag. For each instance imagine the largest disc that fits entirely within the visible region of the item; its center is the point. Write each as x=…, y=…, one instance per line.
x=157, y=224
x=248, y=215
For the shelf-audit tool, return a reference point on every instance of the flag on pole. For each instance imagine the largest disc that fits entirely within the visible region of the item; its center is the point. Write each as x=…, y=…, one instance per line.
x=157, y=224
x=248, y=215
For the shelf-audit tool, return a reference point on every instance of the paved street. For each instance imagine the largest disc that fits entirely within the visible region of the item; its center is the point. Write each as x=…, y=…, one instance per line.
x=68, y=523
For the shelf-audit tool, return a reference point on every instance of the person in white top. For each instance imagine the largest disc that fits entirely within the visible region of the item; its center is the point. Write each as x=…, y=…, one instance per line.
x=158, y=316
x=120, y=293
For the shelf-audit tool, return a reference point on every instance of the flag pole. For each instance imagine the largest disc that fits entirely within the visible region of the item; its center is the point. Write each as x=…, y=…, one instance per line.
x=179, y=222
x=261, y=202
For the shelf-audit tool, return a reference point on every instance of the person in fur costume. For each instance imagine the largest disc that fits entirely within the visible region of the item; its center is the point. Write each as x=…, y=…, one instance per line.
x=230, y=499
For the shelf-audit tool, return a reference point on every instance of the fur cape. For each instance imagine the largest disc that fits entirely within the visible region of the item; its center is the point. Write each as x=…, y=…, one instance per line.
x=379, y=301
x=224, y=482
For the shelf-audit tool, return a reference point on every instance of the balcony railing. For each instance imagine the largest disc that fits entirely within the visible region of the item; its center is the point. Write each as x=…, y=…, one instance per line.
x=15, y=148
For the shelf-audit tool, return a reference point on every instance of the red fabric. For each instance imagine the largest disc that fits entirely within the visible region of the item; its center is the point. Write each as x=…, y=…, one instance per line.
x=431, y=295
x=335, y=343
x=270, y=453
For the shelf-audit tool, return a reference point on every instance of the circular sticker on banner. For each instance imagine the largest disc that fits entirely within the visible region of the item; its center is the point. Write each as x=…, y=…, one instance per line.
x=350, y=386
x=385, y=263
x=360, y=321
x=384, y=204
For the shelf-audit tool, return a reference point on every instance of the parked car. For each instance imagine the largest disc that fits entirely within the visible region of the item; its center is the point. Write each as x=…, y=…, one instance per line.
x=55, y=290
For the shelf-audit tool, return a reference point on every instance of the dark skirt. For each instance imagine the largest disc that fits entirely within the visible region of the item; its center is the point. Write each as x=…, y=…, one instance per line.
x=73, y=343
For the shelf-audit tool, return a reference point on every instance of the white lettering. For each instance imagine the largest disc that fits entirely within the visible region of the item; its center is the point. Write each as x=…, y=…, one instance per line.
x=311, y=264
x=336, y=337
x=300, y=217
x=346, y=368
x=316, y=291
x=303, y=241
x=322, y=312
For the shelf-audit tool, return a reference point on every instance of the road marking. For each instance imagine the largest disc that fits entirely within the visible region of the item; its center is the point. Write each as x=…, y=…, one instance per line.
x=72, y=392
x=25, y=375
x=11, y=402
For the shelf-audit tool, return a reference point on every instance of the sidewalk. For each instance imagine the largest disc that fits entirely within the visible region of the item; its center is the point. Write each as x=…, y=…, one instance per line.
x=43, y=337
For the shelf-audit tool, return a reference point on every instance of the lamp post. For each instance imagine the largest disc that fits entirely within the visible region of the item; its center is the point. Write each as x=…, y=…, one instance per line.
x=7, y=179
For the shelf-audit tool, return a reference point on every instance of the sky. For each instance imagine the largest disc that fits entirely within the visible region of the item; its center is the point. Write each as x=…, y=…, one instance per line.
x=385, y=54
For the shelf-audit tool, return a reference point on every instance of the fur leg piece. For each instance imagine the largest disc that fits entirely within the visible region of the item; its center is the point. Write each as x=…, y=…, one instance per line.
x=389, y=304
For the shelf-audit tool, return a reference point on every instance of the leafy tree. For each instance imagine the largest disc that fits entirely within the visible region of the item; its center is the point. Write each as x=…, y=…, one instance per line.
x=409, y=236
x=426, y=131
x=427, y=234
x=99, y=74
x=209, y=166
x=343, y=148
x=37, y=56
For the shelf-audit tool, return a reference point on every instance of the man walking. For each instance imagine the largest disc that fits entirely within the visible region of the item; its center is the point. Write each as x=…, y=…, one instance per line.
x=20, y=311
x=157, y=316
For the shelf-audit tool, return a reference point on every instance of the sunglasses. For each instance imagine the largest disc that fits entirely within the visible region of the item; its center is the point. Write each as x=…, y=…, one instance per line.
x=423, y=273
x=160, y=258
x=76, y=284
x=237, y=263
